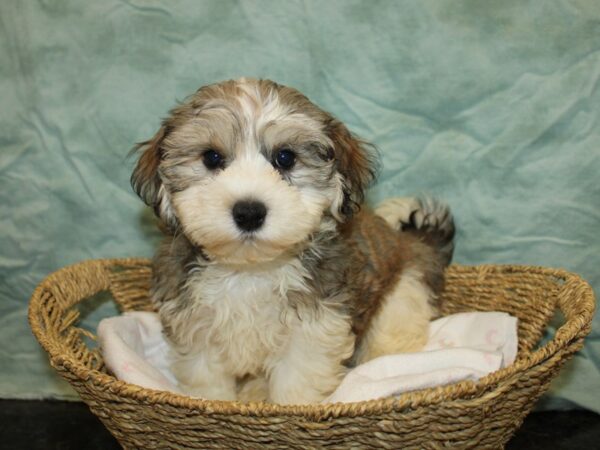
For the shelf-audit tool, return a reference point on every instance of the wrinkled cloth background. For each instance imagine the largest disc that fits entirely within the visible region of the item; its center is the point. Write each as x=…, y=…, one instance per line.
x=493, y=106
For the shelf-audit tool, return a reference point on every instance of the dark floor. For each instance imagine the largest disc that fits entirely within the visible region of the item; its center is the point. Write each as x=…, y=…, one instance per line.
x=49, y=425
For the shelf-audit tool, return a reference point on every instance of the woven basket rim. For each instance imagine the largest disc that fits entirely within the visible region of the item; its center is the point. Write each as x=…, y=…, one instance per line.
x=574, y=328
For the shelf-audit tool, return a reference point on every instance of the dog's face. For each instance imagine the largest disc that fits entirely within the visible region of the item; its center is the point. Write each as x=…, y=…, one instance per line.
x=249, y=169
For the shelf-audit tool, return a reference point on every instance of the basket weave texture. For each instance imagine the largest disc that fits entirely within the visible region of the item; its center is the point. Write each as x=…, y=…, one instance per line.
x=482, y=414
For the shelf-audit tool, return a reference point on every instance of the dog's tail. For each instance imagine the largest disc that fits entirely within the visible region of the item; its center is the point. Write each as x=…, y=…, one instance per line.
x=425, y=217
x=432, y=221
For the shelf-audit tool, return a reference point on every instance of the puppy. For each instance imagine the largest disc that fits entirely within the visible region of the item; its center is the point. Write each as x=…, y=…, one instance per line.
x=273, y=278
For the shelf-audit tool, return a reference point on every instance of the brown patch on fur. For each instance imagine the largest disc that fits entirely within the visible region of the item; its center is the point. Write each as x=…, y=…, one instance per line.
x=379, y=256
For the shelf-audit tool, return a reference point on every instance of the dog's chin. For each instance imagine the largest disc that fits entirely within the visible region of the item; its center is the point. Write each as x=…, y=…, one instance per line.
x=250, y=251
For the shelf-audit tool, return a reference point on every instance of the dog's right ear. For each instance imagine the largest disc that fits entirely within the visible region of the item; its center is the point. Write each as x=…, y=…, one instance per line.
x=145, y=179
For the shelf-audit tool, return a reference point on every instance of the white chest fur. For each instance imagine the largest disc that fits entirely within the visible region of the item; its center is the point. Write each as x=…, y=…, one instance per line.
x=244, y=313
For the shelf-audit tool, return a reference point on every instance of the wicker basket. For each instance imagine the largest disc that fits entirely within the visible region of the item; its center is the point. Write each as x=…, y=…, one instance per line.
x=463, y=415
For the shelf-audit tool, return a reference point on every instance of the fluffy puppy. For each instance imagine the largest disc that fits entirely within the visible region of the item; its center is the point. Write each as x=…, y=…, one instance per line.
x=273, y=279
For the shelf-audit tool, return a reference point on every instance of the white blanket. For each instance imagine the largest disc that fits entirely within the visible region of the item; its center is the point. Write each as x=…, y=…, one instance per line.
x=463, y=346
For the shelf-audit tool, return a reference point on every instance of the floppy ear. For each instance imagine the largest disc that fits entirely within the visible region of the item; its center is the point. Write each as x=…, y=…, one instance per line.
x=356, y=162
x=146, y=180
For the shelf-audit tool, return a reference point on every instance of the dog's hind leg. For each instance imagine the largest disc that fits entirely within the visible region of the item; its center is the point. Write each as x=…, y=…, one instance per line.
x=401, y=323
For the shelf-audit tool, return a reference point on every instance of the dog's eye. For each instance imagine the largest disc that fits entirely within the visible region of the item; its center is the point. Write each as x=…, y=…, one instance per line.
x=212, y=159
x=285, y=159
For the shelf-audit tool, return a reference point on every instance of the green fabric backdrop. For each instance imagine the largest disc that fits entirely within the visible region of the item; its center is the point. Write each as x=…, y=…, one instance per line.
x=492, y=105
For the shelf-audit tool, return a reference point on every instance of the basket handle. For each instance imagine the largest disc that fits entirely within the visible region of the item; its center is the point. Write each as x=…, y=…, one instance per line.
x=51, y=311
x=576, y=301
x=50, y=307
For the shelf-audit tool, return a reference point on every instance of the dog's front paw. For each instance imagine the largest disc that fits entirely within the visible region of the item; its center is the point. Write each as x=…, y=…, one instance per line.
x=201, y=375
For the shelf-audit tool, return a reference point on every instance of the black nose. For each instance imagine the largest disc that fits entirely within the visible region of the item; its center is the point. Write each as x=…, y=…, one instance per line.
x=249, y=215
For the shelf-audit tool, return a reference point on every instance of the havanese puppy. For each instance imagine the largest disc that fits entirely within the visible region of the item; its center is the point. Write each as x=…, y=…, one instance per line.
x=273, y=278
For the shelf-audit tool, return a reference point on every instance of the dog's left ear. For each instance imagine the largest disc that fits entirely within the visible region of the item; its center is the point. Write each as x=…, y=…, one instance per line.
x=356, y=162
